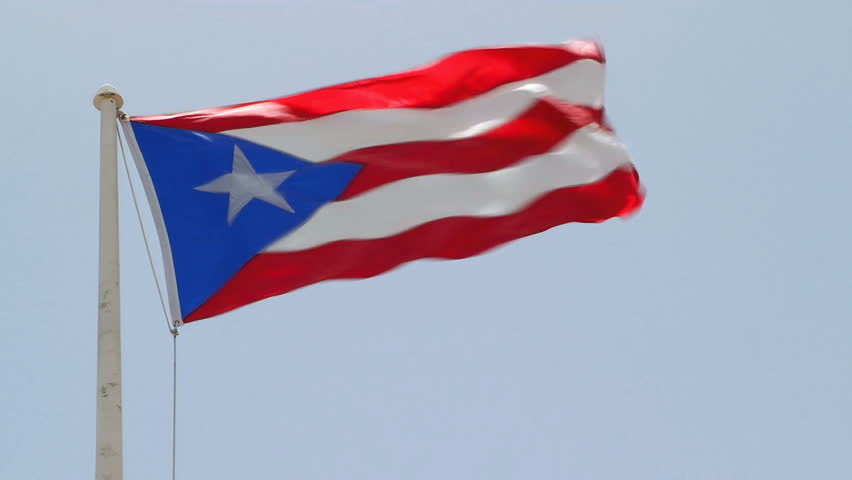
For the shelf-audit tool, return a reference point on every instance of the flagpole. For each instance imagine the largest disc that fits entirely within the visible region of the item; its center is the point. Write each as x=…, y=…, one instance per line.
x=108, y=460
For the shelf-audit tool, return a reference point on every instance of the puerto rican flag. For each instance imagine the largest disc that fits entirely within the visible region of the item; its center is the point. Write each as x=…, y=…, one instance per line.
x=444, y=161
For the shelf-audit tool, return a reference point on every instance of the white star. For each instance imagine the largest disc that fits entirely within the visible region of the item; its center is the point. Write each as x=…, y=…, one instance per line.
x=244, y=184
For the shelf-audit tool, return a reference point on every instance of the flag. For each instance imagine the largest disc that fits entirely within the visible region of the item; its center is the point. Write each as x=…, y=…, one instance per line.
x=444, y=161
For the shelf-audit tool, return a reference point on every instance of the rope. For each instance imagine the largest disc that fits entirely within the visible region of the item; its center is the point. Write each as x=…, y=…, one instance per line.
x=174, y=402
x=169, y=323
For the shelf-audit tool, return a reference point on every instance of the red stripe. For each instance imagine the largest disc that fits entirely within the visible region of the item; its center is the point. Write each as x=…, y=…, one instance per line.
x=454, y=78
x=536, y=131
x=270, y=274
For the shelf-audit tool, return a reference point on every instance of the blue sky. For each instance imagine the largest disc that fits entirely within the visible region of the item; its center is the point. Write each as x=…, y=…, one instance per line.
x=706, y=338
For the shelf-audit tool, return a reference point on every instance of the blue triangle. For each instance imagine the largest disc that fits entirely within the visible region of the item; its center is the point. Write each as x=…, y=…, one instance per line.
x=206, y=250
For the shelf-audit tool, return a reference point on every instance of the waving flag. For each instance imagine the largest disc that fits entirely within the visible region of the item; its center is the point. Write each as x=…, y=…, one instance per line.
x=445, y=161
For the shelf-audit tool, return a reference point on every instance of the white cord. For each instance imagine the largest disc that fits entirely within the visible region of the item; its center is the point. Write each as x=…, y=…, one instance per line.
x=169, y=323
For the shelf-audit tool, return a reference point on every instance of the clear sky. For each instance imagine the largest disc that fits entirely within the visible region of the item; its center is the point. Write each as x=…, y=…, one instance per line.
x=709, y=337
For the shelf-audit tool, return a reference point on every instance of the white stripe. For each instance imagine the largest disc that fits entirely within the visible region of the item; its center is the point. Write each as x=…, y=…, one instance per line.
x=586, y=156
x=322, y=138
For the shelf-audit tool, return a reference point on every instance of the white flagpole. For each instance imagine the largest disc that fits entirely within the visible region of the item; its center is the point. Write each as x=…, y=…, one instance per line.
x=108, y=463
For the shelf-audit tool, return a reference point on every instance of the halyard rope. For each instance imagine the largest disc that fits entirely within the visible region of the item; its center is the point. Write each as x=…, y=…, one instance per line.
x=169, y=323
x=174, y=402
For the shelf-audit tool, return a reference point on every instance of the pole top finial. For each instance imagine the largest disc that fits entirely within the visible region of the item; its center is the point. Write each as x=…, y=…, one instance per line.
x=108, y=92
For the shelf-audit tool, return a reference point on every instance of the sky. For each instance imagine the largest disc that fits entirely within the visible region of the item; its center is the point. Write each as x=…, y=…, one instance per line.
x=707, y=337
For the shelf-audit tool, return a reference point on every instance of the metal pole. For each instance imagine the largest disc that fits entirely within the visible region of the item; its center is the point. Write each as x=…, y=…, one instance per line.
x=108, y=463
